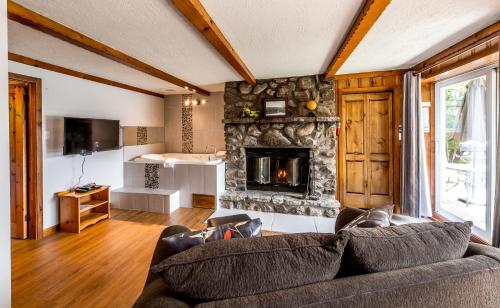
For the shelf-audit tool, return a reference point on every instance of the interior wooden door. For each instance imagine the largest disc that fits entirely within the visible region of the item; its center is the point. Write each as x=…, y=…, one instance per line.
x=366, y=150
x=18, y=171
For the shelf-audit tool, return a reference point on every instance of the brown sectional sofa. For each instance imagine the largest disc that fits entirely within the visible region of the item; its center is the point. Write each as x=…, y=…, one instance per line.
x=470, y=281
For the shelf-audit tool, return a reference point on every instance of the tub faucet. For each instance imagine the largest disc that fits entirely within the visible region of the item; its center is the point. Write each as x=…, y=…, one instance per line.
x=210, y=146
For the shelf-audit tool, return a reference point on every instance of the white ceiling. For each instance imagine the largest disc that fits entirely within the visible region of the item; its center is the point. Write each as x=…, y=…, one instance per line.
x=275, y=38
x=40, y=46
x=284, y=37
x=152, y=31
x=409, y=32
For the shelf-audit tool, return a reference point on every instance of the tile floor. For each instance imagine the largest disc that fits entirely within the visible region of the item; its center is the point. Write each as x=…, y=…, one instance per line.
x=288, y=223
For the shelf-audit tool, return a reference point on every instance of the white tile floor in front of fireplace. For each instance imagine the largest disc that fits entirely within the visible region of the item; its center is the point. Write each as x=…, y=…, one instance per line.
x=286, y=223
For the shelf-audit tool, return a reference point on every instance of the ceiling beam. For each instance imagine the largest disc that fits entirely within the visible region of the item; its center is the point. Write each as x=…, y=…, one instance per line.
x=194, y=11
x=370, y=12
x=36, y=21
x=481, y=37
x=59, y=69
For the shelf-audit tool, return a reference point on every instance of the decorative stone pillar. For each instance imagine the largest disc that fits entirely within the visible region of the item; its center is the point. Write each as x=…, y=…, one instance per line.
x=187, y=124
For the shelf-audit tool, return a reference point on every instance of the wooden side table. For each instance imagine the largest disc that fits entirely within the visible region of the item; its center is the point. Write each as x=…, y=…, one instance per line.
x=77, y=211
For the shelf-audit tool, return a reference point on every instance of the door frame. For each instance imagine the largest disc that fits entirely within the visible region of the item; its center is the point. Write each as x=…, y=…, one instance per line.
x=35, y=154
x=439, y=113
x=380, y=82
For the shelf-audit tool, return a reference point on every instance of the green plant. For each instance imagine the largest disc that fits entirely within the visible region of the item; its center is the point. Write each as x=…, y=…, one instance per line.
x=247, y=112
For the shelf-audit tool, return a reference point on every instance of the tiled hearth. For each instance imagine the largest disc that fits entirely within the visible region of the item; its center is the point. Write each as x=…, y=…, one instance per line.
x=300, y=130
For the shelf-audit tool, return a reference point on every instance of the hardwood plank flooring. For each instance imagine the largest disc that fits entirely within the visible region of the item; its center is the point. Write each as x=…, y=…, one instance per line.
x=104, y=266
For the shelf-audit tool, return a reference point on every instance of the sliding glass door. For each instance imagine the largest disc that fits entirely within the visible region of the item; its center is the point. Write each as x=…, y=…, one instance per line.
x=466, y=124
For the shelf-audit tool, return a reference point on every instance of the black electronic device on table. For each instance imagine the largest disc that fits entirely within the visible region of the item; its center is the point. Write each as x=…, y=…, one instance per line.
x=87, y=188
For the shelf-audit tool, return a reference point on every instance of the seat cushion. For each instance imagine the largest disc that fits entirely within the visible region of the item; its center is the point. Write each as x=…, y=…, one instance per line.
x=240, y=267
x=371, y=250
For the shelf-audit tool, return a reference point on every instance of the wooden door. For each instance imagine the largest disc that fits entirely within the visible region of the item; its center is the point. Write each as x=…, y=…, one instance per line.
x=366, y=154
x=18, y=171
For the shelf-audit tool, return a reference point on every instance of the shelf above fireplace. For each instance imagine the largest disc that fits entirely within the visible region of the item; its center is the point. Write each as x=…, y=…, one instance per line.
x=283, y=120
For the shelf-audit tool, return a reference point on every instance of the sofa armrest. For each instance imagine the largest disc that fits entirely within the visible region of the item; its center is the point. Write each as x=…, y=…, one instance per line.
x=162, y=250
x=479, y=249
x=155, y=294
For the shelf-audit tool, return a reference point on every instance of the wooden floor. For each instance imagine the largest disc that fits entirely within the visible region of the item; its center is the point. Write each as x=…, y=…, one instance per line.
x=104, y=266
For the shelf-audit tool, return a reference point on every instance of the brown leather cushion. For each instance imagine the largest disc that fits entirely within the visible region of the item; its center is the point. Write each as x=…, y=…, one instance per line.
x=218, y=221
x=373, y=218
x=372, y=250
x=345, y=216
x=240, y=267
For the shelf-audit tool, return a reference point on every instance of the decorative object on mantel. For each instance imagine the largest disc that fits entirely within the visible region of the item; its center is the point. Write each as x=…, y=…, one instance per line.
x=311, y=105
x=275, y=108
x=247, y=112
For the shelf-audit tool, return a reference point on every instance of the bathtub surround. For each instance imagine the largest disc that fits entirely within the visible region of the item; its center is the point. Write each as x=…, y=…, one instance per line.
x=207, y=126
x=188, y=176
x=187, y=125
x=63, y=95
x=142, y=135
x=152, y=176
x=302, y=129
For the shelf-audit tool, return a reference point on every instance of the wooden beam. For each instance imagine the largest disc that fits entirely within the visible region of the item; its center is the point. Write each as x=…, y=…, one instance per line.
x=67, y=71
x=444, y=67
x=36, y=21
x=194, y=11
x=370, y=74
x=459, y=48
x=370, y=12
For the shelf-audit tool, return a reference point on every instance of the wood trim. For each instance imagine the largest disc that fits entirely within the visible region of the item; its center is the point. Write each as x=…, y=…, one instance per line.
x=195, y=13
x=50, y=230
x=67, y=71
x=39, y=22
x=370, y=12
x=438, y=69
x=370, y=74
x=367, y=83
x=35, y=154
x=478, y=38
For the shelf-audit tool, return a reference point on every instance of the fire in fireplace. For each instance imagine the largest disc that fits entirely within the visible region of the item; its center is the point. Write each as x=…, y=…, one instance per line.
x=278, y=169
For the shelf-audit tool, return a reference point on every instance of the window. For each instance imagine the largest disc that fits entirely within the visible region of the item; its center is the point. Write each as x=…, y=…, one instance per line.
x=466, y=125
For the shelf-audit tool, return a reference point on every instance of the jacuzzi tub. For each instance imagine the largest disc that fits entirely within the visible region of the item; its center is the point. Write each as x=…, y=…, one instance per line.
x=179, y=159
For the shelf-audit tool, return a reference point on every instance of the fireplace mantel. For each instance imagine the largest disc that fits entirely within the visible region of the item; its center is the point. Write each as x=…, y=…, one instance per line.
x=332, y=119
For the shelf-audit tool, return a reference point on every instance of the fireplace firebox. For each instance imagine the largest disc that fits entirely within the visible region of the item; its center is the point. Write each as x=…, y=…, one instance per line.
x=278, y=169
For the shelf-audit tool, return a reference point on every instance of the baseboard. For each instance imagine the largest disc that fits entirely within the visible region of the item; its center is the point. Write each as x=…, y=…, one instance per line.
x=50, y=230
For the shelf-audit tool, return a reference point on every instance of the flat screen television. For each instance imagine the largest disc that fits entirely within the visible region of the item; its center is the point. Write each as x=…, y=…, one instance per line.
x=83, y=136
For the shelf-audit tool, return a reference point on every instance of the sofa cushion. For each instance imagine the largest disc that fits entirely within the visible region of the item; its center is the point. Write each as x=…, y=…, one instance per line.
x=372, y=250
x=183, y=241
x=240, y=267
x=373, y=218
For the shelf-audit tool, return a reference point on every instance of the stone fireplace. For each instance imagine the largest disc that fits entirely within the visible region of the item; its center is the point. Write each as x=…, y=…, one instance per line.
x=285, y=164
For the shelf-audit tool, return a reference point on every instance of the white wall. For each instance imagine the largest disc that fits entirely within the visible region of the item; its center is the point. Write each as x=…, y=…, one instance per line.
x=207, y=123
x=63, y=95
x=4, y=165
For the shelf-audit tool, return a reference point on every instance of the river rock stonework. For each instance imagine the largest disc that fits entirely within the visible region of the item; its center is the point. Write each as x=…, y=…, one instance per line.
x=300, y=128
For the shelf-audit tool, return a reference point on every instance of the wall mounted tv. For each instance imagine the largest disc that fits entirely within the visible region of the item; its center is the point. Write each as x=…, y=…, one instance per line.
x=84, y=136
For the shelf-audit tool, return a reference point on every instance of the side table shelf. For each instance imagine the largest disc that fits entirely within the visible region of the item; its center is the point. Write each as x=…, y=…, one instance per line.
x=77, y=211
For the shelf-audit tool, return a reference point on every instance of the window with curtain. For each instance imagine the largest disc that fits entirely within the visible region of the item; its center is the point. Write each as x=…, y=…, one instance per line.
x=466, y=124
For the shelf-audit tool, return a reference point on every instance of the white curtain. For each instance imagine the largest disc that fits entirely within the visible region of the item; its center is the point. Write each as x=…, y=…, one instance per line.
x=415, y=192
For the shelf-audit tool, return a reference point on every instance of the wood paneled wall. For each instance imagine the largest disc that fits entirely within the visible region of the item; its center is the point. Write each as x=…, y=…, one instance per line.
x=372, y=82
